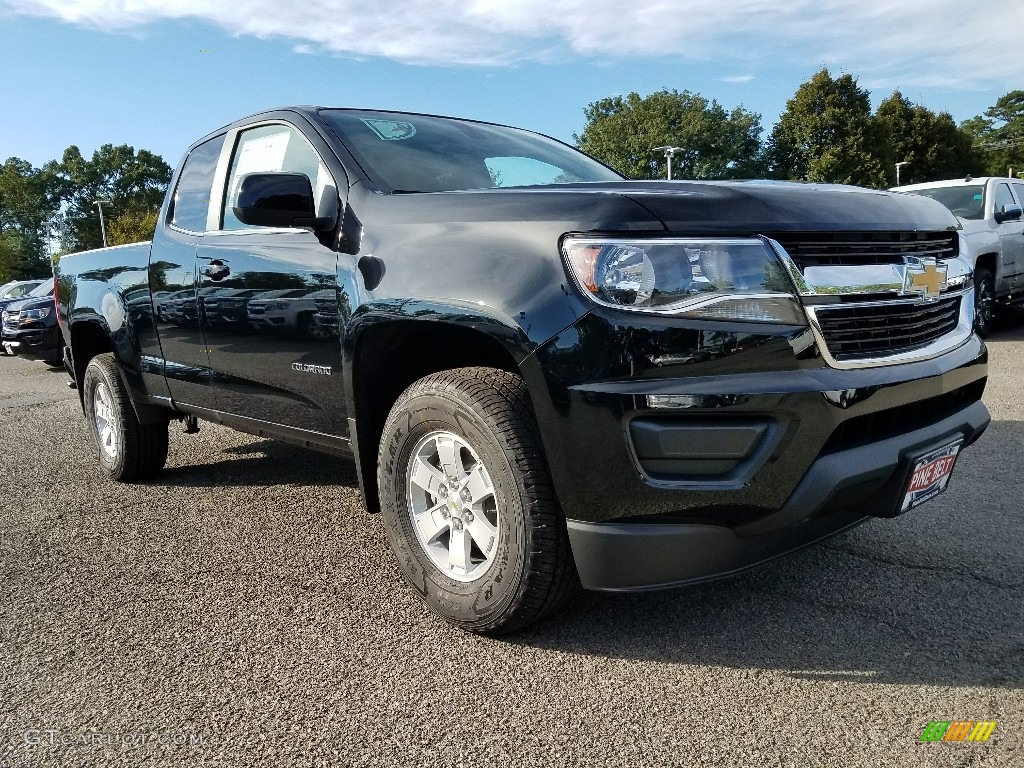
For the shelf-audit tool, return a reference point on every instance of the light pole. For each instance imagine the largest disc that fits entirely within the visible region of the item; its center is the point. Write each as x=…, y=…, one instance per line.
x=103, y=227
x=898, y=166
x=669, y=152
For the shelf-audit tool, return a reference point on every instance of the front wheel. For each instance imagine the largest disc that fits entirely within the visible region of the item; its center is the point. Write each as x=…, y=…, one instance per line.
x=127, y=449
x=984, y=301
x=469, y=509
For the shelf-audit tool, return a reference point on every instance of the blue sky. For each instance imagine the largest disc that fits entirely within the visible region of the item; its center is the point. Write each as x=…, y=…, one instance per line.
x=158, y=74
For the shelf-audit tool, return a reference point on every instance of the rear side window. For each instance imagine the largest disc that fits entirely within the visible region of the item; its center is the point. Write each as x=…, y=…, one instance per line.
x=192, y=195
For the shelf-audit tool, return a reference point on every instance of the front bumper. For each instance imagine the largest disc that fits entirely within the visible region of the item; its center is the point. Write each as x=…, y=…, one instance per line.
x=683, y=457
x=840, y=490
x=44, y=344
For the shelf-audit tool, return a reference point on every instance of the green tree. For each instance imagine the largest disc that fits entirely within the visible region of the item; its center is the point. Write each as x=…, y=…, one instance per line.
x=827, y=134
x=932, y=144
x=134, y=183
x=10, y=257
x=131, y=227
x=717, y=144
x=999, y=135
x=28, y=203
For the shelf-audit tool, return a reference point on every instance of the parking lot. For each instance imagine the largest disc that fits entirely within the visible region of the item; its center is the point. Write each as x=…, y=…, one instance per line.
x=244, y=610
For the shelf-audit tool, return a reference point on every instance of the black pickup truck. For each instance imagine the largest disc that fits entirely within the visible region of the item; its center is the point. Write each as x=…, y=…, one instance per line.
x=546, y=375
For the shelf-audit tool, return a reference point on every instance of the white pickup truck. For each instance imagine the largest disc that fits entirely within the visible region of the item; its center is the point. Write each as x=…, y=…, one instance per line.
x=990, y=210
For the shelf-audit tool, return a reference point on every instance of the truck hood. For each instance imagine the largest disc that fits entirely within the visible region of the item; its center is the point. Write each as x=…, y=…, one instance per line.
x=975, y=226
x=766, y=206
x=684, y=207
x=33, y=303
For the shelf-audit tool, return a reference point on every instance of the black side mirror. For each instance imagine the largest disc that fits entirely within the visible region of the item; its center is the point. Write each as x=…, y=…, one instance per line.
x=277, y=200
x=1008, y=213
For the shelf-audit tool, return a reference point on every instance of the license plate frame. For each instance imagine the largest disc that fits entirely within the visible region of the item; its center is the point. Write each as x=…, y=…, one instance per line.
x=929, y=474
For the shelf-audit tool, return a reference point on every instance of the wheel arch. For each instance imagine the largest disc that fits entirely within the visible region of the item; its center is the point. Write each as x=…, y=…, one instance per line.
x=387, y=355
x=988, y=260
x=91, y=337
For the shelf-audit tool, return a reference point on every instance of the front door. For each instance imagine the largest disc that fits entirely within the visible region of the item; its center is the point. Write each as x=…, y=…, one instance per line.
x=273, y=360
x=1011, y=240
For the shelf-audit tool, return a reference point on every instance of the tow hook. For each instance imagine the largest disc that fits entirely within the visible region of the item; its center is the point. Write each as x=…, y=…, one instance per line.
x=191, y=425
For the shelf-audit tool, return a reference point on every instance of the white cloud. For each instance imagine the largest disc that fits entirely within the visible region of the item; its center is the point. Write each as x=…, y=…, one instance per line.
x=737, y=78
x=906, y=43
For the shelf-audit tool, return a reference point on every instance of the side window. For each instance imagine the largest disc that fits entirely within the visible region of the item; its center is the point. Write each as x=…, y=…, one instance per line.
x=1019, y=190
x=272, y=148
x=1003, y=196
x=192, y=195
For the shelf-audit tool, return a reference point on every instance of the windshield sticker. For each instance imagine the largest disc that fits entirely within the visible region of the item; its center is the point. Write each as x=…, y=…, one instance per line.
x=391, y=130
x=977, y=197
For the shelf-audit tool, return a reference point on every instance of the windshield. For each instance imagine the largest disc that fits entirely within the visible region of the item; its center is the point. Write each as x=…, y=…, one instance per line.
x=967, y=202
x=416, y=153
x=14, y=290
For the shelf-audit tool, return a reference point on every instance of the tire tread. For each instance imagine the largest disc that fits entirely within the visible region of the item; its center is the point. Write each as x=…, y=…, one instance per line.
x=549, y=577
x=145, y=445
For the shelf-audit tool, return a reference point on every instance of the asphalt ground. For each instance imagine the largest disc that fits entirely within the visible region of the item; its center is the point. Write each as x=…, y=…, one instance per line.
x=245, y=611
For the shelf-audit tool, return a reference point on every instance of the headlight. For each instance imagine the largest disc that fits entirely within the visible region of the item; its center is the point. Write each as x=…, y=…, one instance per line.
x=28, y=315
x=729, y=278
x=275, y=306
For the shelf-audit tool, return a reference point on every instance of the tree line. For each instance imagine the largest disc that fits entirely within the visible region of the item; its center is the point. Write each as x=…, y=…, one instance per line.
x=828, y=133
x=48, y=210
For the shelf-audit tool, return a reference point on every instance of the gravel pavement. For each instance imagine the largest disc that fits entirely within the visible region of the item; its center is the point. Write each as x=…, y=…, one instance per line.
x=245, y=611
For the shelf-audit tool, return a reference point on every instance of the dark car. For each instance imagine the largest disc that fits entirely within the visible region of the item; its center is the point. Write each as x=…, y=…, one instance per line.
x=29, y=327
x=546, y=375
x=16, y=290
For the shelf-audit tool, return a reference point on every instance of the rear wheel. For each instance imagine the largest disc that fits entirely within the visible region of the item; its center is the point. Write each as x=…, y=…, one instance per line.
x=468, y=504
x=127, y=449
x=984, y=301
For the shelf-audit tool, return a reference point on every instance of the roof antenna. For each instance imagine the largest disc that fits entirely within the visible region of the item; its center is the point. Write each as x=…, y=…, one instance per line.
x=968, y=178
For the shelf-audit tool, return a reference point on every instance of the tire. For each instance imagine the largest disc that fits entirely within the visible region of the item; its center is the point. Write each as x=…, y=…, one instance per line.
x=127, y=450
x=512, y=564
x=984, y=301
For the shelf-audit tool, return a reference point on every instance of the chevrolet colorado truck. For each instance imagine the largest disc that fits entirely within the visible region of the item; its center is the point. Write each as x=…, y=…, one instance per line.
x=991, y=213
x=547, y=376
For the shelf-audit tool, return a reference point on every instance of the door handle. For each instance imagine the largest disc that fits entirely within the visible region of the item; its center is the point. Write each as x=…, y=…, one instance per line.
x=217, y=270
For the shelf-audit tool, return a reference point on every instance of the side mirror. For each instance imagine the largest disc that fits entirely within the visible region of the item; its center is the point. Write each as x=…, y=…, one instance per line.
x=277, y=200
x=1008, y=213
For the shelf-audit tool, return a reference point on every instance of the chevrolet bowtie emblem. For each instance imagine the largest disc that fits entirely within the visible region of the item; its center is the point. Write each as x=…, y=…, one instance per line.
x=924, y=277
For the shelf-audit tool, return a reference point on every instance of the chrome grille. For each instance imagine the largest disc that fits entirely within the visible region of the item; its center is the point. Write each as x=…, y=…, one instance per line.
x=834, y=249
x=874, y=330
